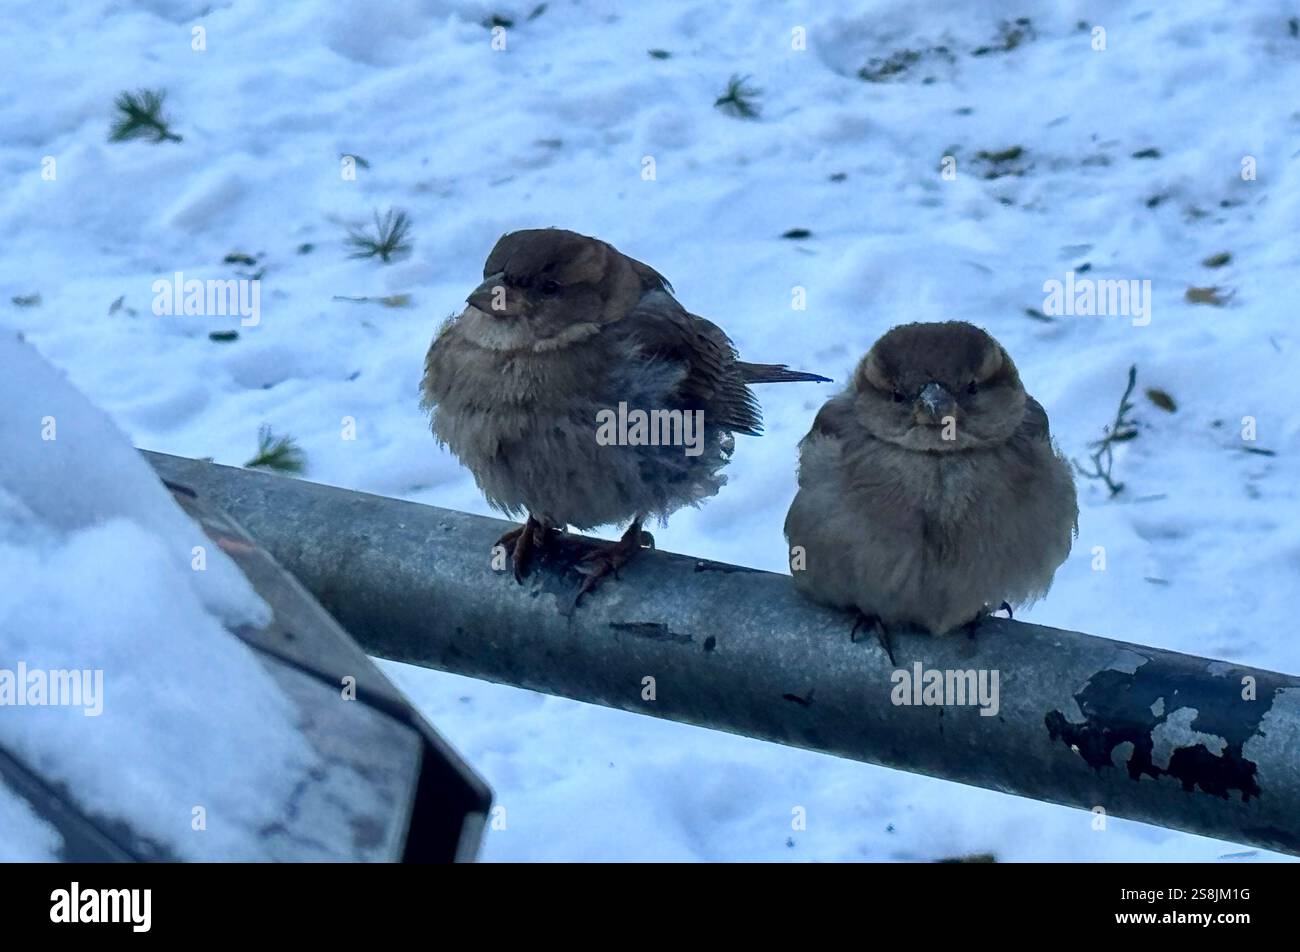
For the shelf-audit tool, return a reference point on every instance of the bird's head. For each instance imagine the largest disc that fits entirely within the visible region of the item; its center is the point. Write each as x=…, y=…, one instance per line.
x=939, y=387
x=546, y=288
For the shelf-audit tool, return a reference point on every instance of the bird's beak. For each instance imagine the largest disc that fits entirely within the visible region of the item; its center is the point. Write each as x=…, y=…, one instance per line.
x=934, y=403
x=490, y=297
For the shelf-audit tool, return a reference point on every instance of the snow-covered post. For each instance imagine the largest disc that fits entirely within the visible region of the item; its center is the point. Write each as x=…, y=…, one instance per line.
x=1112, y=728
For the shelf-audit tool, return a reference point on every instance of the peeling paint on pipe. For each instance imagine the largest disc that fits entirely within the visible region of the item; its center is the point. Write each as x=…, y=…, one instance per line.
x=1170, y=739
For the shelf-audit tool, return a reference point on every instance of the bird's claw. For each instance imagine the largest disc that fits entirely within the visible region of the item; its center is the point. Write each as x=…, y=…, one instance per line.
x=523, y=543
x=510, y=543
x=973, y=625
x=882, y=633
x=606, y=562
x=609, y=558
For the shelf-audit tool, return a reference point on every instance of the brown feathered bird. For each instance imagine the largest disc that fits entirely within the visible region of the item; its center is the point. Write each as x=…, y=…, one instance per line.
x=929, y=490
x=564, y=334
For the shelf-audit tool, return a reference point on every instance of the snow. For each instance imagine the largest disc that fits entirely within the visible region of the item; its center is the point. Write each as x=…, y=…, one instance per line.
x=27, y=838
x=554, y=130
x=99, y=579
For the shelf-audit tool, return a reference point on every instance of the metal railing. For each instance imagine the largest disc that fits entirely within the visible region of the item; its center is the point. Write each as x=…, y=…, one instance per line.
x=1171, y=739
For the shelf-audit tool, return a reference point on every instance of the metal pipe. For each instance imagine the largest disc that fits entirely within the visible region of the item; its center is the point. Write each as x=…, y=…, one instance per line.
x=1171, y=739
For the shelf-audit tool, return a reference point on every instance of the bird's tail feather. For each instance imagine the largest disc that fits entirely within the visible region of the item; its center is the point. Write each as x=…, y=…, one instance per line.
x=776, y=373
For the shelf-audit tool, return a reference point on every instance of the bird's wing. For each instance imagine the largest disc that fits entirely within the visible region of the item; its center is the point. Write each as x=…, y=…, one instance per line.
x=776, y=373
x=1034, y=423
x=835, y=420
x=658, y=331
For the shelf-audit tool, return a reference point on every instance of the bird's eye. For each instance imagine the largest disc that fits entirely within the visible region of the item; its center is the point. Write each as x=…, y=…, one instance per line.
x=550, y=287
x=972, y=388
x=898, y=396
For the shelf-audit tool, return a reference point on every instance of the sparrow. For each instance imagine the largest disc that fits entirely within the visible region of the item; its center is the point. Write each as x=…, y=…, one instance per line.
x=929, y=490
x=532, y=387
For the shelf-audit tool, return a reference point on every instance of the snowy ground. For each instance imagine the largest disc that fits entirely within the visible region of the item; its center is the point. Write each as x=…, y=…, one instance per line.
x=1202, y=552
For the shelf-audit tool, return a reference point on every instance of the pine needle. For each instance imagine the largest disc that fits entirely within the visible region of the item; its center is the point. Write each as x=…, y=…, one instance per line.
x=280, y=453
x=740, y=99
x=391, y=237
x=141, y=117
